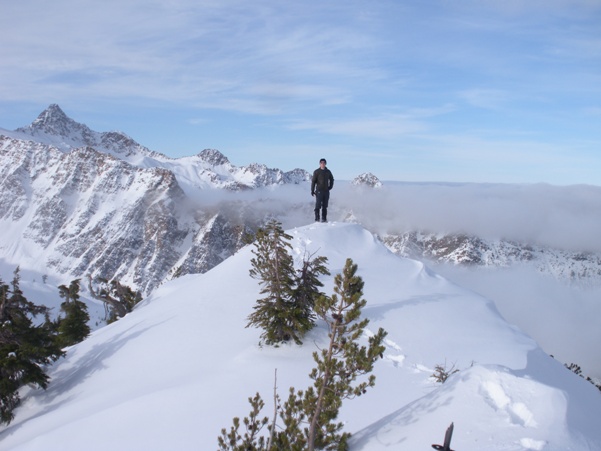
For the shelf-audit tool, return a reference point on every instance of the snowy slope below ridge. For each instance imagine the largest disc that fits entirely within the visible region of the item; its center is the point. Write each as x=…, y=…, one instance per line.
x=144, y=218
x=182, y=365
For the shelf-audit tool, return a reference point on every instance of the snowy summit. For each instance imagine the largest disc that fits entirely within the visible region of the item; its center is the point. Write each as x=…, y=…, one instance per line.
x=367, y=179
x=173, y=373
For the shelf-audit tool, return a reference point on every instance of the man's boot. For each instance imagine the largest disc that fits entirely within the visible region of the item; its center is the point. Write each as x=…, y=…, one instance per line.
x=317, y=215
x=324, y=215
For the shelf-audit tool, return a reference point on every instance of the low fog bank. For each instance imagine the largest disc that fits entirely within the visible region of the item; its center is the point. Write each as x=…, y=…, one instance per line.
x=566, y=218
x=560, y=217
x=562, y=318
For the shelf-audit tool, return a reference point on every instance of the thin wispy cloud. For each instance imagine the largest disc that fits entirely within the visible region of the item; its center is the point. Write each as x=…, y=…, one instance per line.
x=485, y=98
x=375, y=127
x=334, y=74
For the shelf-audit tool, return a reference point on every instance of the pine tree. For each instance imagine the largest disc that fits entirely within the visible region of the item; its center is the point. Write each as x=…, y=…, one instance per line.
x=309, y=417
x=73, y=328
x=344, y=360
x=307, y=284
x=251, y=440
x=338, y=365
x=277, y=313
x=24, y=347
x=119, y=300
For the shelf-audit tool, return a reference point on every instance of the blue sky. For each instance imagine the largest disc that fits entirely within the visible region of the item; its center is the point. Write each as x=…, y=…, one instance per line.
x=464, y=91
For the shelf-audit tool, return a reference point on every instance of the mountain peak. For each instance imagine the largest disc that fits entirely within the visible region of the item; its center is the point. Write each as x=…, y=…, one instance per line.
x=50, y=118
x=367, y=179
x=54, y=121
x=52, y=113
x=213, y=157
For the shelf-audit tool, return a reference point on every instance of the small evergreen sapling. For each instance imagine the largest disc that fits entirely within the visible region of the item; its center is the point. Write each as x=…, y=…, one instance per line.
x=342, y=362
x=251, y=440
x=119, y=300
x=442, y=373
x=307, y=283
x=73, y=327
x=277, y=313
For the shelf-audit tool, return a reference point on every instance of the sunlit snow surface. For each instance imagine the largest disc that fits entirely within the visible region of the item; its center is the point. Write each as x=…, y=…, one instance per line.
x=174, y=372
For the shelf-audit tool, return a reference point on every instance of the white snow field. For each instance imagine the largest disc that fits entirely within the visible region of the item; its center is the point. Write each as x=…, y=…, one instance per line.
x=174, y=372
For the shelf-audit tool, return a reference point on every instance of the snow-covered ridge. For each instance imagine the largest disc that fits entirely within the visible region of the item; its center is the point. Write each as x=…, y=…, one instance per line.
x=195, y=359
x=54, y=127
x=469, y=250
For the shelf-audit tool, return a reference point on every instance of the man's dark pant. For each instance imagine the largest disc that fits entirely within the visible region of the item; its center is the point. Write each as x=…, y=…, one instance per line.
x=321, y=203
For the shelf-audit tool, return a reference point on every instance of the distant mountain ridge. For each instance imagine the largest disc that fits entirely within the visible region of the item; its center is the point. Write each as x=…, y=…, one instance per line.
x=367, y=179
x=54, y=127
x=210, y=168
x=474, y=251
x=84, y=203
x=100, y=204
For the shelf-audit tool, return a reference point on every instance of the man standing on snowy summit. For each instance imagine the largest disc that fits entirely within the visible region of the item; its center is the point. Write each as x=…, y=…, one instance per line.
x=322, y=183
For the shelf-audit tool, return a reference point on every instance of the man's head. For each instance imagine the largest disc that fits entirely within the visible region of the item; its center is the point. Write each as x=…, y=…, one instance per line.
x=322, y=163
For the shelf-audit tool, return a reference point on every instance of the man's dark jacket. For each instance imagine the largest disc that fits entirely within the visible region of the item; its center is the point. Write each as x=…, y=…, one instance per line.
x=323, y=180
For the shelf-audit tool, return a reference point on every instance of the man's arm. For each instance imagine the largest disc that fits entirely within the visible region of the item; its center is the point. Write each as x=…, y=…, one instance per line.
x=331, y=180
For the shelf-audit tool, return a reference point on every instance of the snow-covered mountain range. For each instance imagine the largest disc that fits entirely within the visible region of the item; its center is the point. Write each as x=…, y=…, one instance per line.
x=82, y=203
x=471, y=250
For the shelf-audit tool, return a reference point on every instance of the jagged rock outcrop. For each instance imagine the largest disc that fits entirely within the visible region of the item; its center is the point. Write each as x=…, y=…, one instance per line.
x=367, y=179
x=214, y=158
x=462, y=249
x=219, y=237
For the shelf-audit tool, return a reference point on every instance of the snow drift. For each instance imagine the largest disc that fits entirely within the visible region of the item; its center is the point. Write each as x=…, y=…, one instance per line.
x=174, y=372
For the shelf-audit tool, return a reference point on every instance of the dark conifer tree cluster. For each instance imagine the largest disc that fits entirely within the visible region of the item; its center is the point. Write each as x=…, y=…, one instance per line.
x=119, y=299
x=309, y=417
x=285, y=312
x=73, y=327
x=28, y=345
x=25, y=348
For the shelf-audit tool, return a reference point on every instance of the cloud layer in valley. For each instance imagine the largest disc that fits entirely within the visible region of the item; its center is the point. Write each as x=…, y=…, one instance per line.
x=566, y=218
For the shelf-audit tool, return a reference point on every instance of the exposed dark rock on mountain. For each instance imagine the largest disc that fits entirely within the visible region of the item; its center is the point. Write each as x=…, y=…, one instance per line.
x=469, y=250
x=99, y=204
x=84, y=203
x=367, y=179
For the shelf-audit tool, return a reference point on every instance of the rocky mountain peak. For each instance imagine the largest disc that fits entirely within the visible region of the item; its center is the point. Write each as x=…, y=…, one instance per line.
x=367, y=179
x=297, y=176
x=53, y=113
x=54, y=121
x=213, y=157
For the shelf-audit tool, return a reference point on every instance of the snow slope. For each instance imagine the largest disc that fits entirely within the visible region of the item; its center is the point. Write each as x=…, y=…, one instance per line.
x=174, y=372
